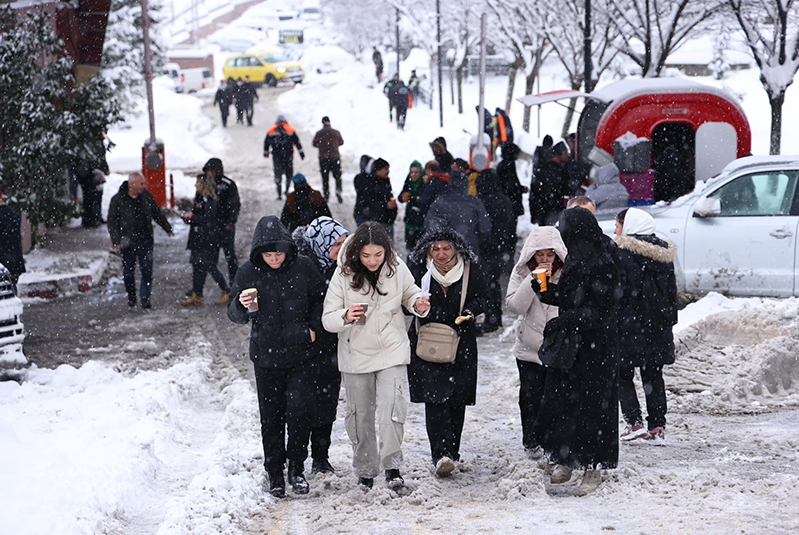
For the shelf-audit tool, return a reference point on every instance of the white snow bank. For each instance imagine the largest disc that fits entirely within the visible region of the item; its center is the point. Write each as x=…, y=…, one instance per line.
x=325, y=58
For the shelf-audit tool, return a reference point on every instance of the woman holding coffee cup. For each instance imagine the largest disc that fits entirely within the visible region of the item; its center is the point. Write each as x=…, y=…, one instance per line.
x=540, y=262
x=373, y=356
x=281, y=293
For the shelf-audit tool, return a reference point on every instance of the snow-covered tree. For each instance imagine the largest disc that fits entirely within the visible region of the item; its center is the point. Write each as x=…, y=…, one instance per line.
x=771, y=28
x=462, y=32
x=650, y=30
x=123, y=50
x=45, y=121
x=361, y=24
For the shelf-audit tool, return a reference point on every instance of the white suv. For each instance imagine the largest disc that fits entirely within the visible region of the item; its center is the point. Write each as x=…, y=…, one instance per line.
x=12, y=332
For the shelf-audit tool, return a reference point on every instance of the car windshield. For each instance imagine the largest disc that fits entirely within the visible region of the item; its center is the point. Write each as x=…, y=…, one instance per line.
x=274, y=59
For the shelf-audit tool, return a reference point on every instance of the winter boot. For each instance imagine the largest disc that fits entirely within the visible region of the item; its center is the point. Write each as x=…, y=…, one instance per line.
x=224, y=300
x=321, y=466
x=534, y=453
x=560, y=474
x=444, y=467
x=277, y=485
x=632, y=432
x=366, y=482
x=591, y=480
x=394, y=480
x=193, y=300
x=297, y=479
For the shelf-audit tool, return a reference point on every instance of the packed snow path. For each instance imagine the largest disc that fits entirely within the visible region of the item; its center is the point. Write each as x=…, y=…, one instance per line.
x=723, y=469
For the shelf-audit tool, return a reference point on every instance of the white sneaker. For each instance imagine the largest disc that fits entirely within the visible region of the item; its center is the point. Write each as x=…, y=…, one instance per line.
x=591, y=480
x=632, y=432
x=444, y=467
x=656, y=437
x=560, y=474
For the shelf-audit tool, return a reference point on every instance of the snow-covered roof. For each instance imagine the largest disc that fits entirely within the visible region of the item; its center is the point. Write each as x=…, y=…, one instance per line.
x=631, y=87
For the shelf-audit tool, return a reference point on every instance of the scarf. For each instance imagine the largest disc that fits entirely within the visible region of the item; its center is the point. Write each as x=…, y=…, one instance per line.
x=321, y=234
x=452, y=276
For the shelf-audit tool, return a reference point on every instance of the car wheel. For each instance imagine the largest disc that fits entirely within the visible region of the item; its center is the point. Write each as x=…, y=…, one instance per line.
x=298, y=82
x=270, y=80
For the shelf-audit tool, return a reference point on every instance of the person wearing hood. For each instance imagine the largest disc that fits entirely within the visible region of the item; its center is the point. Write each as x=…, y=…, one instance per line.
x=303, y=205
x=363, y=305
x=548, y=186
x=577, y=424
x=647, y=313
x=130, y=224
x=447, y=388
x=374, y=200
x=456, y=209
x=281, y=139
x=411, y=193
x=441, y=154
x=543, y=249
x=542, y=152
x=606, y=189
x=227, y=193
x=494, y=251
x=205, y=238
x=510, y=186
x=286, y=318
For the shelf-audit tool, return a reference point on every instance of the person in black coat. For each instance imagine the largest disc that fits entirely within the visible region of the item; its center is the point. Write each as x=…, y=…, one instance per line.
x=205, y=237
x=647, y=313
x=227, y=193
x=456, y=209
x=281, y=140
x=239, y=93
x=510, y=186
x=11, y=242
x=321, y=241
x=290, y=294
x=90, y=169
x=374, y=200
x=223, y=99
x=494, y=251
x=249, y=95
x=441, y=154
x=303, y=205
x=400, y=98
x=411, y=193
x=577, y=424
x=446, y=389
x=548, y=186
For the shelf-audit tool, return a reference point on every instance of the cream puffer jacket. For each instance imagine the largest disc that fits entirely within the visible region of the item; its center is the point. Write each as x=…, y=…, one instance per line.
x=382, y=342
x=521, y=299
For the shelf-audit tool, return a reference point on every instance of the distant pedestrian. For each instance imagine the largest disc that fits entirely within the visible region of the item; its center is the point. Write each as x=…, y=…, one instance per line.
x=240, y=98
x=374, y=199
x=250, y=96
x=441, y=154
x=130, y=216
x=227, y=194
x=414, y=216
x=285, y=313
x=511, y=186
x=303, y=205
x=401, y=99
x=503, y=127
x=463, y=166
x=413, y=87
x=11, y=241
x=223, y=99
x=577, y=171
x=205, y=237
x=547, y=188
x=281, y=139
x=456, y=209
x=390, y=91
x=91, y=168
x=328, y=140
x=377, y=59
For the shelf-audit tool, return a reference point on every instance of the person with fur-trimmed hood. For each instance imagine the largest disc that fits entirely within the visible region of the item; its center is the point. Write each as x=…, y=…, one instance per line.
x=544, y=249
x=647, y=313
x=446, y=389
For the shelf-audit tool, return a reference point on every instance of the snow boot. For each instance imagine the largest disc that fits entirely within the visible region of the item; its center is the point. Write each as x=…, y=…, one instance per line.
x=444, y=467
x=394, y=480
x=322, y=466
x=560, y=474
x=366, y=482
x=277, y=485
x=224, y=300
x=591, y=480
x=632, y=432
x=193, y=300
x=297, y=479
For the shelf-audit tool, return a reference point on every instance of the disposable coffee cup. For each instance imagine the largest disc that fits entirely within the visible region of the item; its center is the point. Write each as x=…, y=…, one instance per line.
x=254, y=293
x=541, y=275
x=362, y=320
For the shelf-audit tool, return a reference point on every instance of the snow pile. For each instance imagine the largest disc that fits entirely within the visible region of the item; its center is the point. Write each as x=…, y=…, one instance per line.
x=629, y=140
x=325, y=59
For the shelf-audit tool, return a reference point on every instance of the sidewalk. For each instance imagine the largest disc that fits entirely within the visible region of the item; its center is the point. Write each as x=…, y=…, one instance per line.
x=69, y=260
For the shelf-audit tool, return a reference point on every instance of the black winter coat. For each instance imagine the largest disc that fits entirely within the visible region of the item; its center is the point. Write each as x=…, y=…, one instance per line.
x=373, y=194
x=303, y=205
x=646, y=338
x=229, y=203
x=546, y=193
x=457, y=210
x=509, y=179
x=223, y=97
x=414, y=215
x=130, y=220
x=289, y=300
x=205, y=235
x=500, y=213
x=577, y=423
x=11, y=241
x=455, y=382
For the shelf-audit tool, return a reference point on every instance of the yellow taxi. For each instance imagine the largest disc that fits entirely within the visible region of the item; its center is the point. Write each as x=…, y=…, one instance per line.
x=265, y=67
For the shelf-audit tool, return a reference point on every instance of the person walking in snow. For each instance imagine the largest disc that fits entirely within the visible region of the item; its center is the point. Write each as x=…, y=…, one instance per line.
x=303, y=205
x=281, y=139
x=511, y=186
x=227, y=194
x=205, y=238
x=321, y=241
x=547, y=187
x=390, y=91
x=223, y=99
x=130, y=224
x=328, y=140
x=377, y=59
x=413, y=87
x=374, y=200
x=249, y=96
x=446, y=389
x=363, y=305
x=647, y=313
x=543, y=249
x=577, y=424
x=410, y=194
x=286, y=318
x=441, y=154
x=240, y=100
x=400, y=101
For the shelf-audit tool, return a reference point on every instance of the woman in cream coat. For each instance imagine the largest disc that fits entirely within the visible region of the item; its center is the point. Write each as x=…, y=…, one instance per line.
x=373, y=353
x=545, y=248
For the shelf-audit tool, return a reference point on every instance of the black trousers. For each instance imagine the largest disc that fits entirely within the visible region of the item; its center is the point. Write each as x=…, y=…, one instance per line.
x=204, y=263
x=444, y=429
x=412, y=238
x=224, y=111
x=490, y=265
x=328, y=387
x=532, y=377
x=285, y=396
x=654, y=391
x=327, y=166
x=250, y=111
x=283, y=167
x=240, y=109
x=143, y=253
x=229, y=249
x=402, y=111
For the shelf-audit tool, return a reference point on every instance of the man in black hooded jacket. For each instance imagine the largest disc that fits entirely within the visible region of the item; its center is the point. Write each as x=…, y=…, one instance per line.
x=227, y=194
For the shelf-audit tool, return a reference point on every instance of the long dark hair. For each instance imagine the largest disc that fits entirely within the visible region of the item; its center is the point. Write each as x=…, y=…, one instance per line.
x=370, y=233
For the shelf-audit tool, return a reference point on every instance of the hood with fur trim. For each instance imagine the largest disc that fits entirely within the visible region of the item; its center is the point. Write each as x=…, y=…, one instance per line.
x=652, y=247
x=419, y=253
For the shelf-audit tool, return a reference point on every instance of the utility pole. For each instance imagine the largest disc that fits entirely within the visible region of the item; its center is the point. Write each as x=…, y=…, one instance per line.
x=153, y=167
x=438, y=60
x=589, y=81
x=398, y=58
x=480, y=155
x=148, y=67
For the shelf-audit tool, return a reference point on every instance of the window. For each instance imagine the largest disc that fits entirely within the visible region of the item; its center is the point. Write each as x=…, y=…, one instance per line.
x=231, y=62
x=254, y=62
x=762, y=194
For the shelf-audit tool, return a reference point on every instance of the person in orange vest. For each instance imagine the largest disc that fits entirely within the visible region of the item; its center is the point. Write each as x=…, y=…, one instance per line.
x=504, y=129
x=281, y=139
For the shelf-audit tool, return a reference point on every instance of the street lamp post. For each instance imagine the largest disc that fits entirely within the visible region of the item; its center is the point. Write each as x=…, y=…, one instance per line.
x=438, y=60
x=589, y=81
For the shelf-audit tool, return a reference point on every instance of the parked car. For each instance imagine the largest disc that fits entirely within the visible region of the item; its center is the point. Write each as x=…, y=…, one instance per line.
x=174, y=73
x=195, y=79
x=12, y=331
x=310, y=12
x=736, y=233
x=266, y=67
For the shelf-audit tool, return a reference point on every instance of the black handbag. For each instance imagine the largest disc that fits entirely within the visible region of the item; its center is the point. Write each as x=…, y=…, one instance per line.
x=560, y=346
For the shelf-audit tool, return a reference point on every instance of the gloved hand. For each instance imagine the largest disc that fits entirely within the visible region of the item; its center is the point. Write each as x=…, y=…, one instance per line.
x=302, y=155
x=266, y=154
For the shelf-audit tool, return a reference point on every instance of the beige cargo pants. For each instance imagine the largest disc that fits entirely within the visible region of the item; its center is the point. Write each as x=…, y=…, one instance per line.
x=382, y=392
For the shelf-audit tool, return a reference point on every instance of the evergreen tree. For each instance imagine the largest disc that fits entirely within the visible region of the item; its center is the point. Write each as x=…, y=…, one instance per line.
x=46, y=122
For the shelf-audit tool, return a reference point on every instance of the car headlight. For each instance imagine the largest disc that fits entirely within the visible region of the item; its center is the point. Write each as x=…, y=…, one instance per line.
x=281, y=69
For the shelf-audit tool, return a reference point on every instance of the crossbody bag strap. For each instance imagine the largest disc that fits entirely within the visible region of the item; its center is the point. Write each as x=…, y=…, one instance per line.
x=464, y=286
